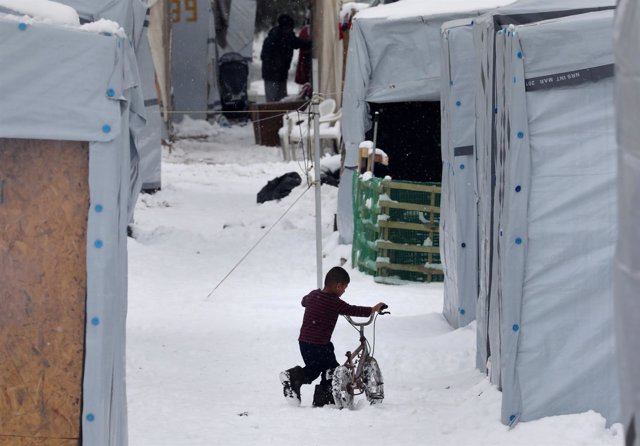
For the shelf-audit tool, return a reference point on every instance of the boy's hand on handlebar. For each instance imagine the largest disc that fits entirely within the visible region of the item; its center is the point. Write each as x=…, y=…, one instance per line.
x=377, y=308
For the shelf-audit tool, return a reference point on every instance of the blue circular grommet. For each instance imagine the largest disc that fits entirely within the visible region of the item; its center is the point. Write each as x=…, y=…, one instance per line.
x=95, y=321
x=22, y=26
x=90, y=417
x=495, y=110
x=98, y=208
x=512, y=417
x=458, y=103
x=461, y=310
x=514, y=79
x=106, y=128
x=451, y=82
x=98, y=244
x=518, y=188
x=464, y=245
x=515, y=327
x=461, y=166
x=106, y=33
x=520, y=135
x=518, y=241
x=519, y=54
x=111, y=92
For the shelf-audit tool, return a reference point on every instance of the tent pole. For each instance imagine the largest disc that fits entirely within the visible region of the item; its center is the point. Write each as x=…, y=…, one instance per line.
x=316, y=164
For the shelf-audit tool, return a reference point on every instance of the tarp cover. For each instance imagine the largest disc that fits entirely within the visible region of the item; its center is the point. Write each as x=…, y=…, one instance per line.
x=627, y=262
x=458, y=204
x=394, y=56
x=90, y=93
x=485, y=26
x=555, y=213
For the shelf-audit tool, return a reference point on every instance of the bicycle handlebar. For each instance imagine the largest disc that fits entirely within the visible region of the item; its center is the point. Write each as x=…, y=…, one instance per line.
x=373, y=315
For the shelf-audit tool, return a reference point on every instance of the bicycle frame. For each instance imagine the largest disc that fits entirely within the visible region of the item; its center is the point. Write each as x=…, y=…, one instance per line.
x=356, y=359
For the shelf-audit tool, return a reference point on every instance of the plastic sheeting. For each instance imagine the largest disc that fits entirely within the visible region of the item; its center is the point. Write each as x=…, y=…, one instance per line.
x=555, y=217
x=390, y=59
x=458, y=205
x=202, y=33
x=132, y=15
x=485, y=27
x=93, y=96
x=627, y=260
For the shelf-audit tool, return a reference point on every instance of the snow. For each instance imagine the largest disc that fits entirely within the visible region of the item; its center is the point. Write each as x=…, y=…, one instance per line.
x=104, y=26
x=349, y=9
x=204, y=370
x=414, y=8
x=44, y=10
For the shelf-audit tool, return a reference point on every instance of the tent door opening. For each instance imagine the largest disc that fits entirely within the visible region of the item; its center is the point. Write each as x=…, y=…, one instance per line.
x=409, y=132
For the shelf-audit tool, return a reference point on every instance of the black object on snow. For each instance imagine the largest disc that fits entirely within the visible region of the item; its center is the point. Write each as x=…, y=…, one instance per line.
x=279, y=187
x=330, y=178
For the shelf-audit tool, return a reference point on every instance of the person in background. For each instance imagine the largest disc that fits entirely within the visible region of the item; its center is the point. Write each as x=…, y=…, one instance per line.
x=276, y=55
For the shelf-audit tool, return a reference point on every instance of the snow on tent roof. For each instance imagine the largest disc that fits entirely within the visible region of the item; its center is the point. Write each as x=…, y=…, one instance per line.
x=555, y=204
x=45, y=10
x=416, y=8
x=627, y=261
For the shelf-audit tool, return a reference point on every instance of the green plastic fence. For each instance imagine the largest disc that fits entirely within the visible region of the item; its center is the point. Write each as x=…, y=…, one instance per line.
x=368, y=235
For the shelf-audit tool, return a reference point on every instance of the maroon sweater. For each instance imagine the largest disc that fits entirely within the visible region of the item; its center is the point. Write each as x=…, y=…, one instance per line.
x=321, y=314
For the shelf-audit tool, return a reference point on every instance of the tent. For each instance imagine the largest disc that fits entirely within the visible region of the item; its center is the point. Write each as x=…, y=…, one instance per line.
x=133, y=16
x=554, y=216
x=393, y=57
x=459, y=197
x=65, y=143
x=328, y=48
x=485, y=27
x=210, y=38
x=627, y=260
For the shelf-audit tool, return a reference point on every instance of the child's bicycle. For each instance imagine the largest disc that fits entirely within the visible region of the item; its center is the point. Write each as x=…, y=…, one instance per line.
x=360, y=373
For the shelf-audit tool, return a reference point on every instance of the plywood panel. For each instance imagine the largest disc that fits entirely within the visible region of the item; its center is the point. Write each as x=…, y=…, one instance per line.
x=43, y=224
x=31, y=441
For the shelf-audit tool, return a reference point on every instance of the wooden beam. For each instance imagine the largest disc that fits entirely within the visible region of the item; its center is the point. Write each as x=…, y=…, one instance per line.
x=383, y=244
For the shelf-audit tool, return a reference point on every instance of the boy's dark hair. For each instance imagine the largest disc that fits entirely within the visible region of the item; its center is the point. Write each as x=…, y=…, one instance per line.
x=335, y=275
x=286, y=21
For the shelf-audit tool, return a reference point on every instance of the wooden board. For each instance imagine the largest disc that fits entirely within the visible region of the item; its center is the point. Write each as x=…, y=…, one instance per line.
x=32, y=441
x=43, y=226
x=408, y=226
x=408, y=206
x=383, y=244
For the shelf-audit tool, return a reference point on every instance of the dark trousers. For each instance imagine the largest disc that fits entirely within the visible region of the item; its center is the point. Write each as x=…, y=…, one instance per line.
x=317, y=359
x=275, y=90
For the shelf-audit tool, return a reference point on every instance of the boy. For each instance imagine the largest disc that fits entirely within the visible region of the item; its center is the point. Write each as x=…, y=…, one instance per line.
x=322, y=308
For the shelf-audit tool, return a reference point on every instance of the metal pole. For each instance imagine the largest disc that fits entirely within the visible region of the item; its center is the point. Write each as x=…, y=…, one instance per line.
x=316, y=164
x=372, y=156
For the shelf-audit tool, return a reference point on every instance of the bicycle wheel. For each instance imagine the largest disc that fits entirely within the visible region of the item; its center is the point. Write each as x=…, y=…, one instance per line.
x=373, y=382
x=341, y=387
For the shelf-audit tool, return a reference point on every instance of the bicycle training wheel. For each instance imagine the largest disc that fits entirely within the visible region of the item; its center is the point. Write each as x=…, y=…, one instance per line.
x=341, y=387
x=373, y=382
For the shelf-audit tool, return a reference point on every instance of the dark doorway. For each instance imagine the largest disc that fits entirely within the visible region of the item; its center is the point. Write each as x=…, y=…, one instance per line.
x=409, y=132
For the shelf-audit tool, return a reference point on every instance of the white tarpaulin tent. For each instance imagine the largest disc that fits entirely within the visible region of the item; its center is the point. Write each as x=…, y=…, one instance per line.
x=393, y=56
x=627, y=261
x=133, y=16
x=459, y=197
x=91, y=92
x=555, y=217
x=485, y=27
x=206, y=34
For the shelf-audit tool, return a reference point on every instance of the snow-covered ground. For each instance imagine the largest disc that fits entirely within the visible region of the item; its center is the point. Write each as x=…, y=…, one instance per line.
x=204, y=370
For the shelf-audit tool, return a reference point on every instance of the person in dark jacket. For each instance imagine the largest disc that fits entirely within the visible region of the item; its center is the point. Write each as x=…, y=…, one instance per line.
x=276, y=55
x=322, y=308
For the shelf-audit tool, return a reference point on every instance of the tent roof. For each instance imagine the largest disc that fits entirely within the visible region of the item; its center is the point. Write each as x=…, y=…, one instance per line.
x=420, y=8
